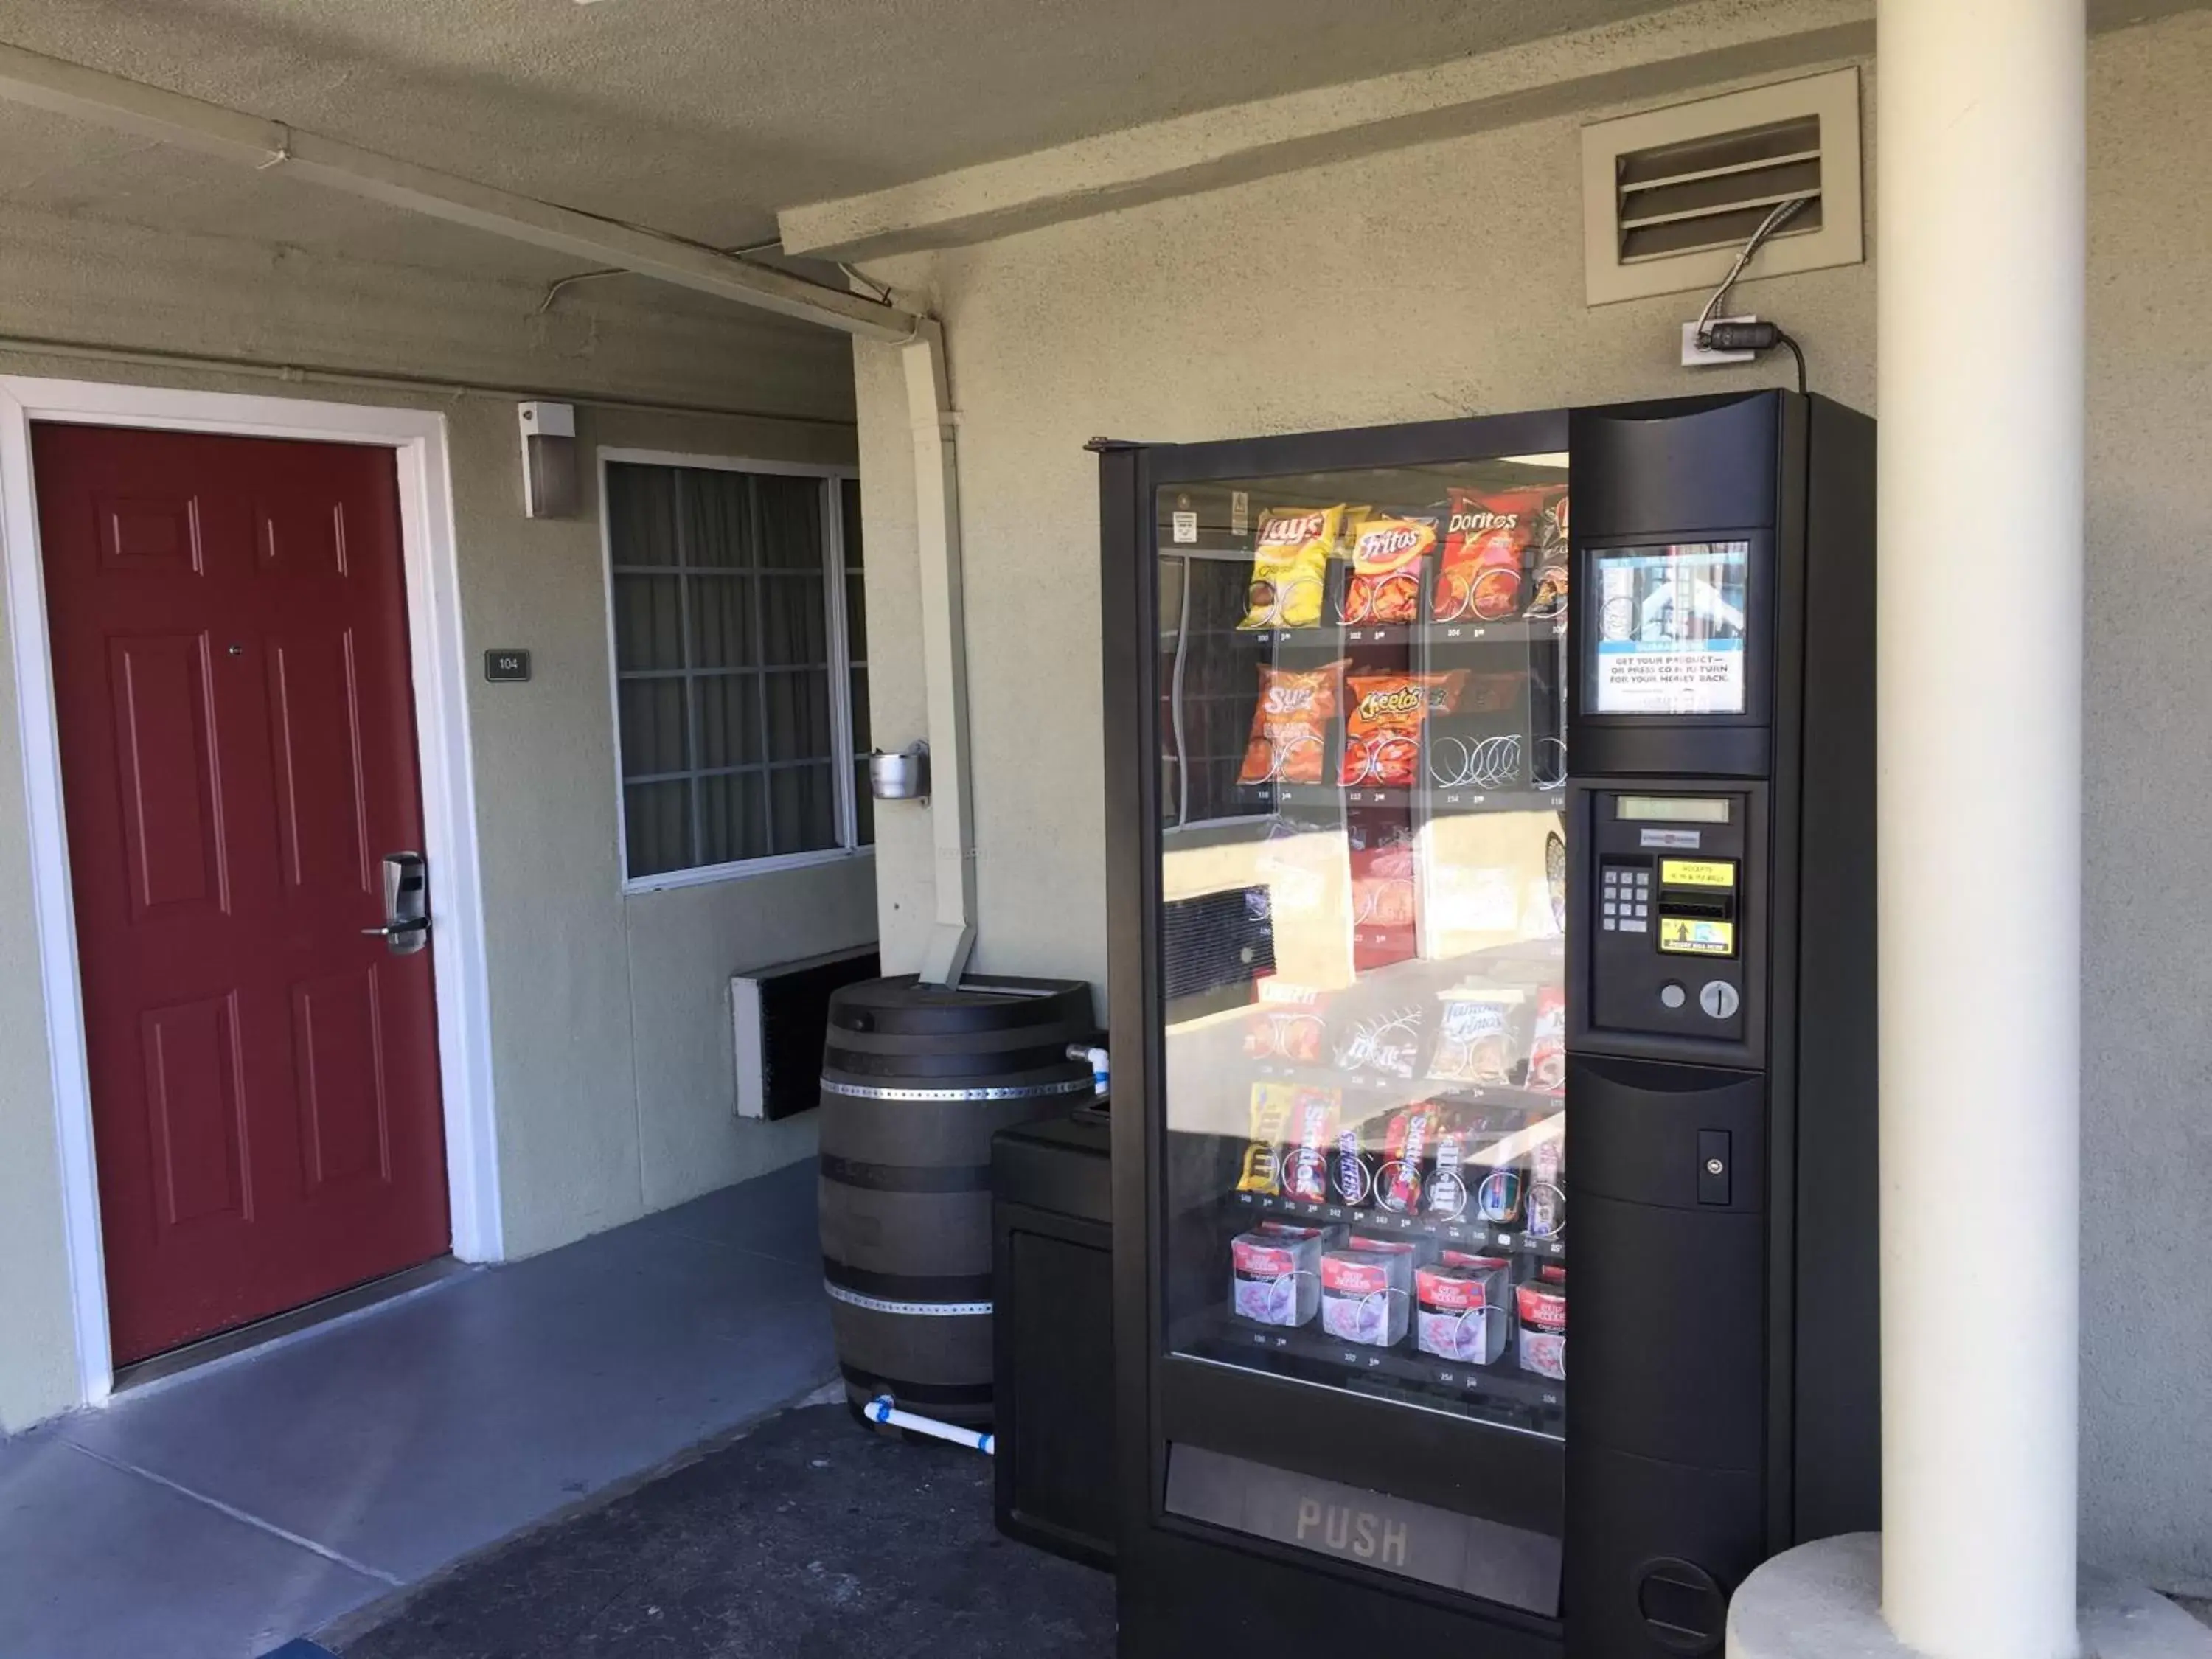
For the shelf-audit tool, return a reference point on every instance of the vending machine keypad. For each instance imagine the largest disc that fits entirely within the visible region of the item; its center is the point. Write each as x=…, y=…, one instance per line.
x=1626, y=906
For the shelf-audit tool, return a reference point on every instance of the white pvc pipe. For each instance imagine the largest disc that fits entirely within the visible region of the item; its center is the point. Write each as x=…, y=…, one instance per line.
x=1979, y=331
x=944, y=622
x=880, y=1410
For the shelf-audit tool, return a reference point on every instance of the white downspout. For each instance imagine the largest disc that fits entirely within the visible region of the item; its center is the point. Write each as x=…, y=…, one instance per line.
x=945, y=652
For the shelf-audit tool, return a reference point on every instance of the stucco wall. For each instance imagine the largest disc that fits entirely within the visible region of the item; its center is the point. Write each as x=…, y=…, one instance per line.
x=1447, y=279
x=609, y=1031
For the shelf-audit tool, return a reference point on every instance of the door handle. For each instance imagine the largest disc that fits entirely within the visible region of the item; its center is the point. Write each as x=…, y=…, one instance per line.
x=406, y=904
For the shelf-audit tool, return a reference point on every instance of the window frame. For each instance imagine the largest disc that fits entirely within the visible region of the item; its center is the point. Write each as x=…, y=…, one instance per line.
x=832, y=477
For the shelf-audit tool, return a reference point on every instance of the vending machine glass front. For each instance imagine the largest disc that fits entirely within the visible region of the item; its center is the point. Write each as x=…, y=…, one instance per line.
x=1361, y=739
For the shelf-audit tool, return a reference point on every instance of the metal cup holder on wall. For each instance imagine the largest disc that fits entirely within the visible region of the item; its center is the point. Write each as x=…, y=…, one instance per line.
x=902, y=776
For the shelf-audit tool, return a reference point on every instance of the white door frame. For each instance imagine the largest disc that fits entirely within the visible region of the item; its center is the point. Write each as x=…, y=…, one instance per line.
x=417, y=440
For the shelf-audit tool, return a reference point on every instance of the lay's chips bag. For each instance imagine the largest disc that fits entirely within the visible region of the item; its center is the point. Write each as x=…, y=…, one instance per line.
x=1289, y=566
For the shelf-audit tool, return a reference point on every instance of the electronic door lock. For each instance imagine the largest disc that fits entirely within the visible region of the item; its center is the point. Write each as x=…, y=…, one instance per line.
x=406, y=927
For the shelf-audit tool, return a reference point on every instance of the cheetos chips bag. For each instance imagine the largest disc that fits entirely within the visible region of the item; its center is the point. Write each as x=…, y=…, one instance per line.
x=1383, y=731
x=1289, y=566
x=1289, y=728
x=1384, y=585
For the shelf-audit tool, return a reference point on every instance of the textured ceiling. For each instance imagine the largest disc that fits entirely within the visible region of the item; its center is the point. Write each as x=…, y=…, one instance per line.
x=698, y=116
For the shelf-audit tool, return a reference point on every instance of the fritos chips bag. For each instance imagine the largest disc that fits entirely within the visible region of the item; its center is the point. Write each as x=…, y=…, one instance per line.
x=1382, y=733
x=1384, y=584
x=1290, y=727
x=1290, y=564
x=1487, y=542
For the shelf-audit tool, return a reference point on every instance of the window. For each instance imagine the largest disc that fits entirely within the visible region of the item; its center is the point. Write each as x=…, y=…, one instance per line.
x=740, y=666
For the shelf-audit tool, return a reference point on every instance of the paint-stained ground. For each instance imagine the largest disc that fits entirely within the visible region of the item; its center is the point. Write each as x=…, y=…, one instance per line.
x=807, y=1537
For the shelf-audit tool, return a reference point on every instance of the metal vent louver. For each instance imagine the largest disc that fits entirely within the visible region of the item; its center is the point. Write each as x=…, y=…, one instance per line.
x=1671, y=194
x=1713, y=192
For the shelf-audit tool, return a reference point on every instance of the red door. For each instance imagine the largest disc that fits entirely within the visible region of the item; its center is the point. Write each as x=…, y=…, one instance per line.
x=238, y=755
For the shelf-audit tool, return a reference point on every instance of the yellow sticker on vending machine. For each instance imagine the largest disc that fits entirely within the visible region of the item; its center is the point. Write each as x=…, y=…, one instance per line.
x=1693, y=936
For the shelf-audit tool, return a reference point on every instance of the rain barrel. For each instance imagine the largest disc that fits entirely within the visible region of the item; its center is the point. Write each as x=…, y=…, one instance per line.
x=916, y=1080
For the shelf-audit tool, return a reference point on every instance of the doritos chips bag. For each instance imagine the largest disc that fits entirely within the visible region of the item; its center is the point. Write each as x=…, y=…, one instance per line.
x=1383, y=733
x=1290, y=563
x=1487, y=542
x=1384, y=585
x=1291, y=724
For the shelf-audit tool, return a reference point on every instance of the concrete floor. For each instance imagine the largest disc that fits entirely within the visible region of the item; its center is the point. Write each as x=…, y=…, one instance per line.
x=219, y=1513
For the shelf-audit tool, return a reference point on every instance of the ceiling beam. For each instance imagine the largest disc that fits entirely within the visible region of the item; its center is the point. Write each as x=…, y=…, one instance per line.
x=111, y=100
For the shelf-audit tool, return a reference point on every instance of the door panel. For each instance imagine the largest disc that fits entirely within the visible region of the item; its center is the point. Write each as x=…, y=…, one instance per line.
x=166, y=776
x=321, y=814
x=232, y=680
x=194, y=1109
x=335, y=1041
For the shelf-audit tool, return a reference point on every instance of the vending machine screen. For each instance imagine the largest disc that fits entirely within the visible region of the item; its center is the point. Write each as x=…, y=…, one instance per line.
x=1669, y=622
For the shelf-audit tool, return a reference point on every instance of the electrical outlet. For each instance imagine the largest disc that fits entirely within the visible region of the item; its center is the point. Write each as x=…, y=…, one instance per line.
x=1696, y=356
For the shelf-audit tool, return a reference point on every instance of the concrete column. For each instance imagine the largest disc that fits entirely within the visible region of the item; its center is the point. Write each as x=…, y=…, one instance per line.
x=1980, y=232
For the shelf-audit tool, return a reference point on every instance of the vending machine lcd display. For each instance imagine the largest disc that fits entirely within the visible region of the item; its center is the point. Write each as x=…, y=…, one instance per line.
x=1669, y=624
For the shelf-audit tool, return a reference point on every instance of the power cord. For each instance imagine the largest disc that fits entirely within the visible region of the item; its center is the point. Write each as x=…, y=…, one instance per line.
x=1751, y=337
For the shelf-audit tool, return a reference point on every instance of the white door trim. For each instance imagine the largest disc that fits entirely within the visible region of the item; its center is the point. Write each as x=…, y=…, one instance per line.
x=417, y=440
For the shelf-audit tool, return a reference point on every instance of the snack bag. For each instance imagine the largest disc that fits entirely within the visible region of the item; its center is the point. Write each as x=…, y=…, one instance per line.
x=1384, y=1044
x=1487, y=537
x=1351, y=1168
x=1476, y=1042
x=1384, y=584
x=1290, y=1034
x=1443, y=1197
x=1305, y=1169
x=1406, y=1149
x=1382, y=866
x=1548, y=595
x=1290, y=563
x=1271, y=1107
x=1290, y=727
x=1382, y=733
x=1548, y=1048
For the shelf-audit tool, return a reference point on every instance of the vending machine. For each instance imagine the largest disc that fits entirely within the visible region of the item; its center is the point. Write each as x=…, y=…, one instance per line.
x=1491, y=810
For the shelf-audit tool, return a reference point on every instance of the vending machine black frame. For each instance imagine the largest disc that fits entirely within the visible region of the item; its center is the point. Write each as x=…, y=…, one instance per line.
x=1188, y=1586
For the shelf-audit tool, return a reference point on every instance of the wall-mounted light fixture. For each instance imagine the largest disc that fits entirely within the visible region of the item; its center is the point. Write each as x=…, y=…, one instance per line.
x=552, y=480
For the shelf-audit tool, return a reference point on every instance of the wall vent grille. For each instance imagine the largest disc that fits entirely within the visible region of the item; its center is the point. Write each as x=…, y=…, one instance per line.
x=1670, y=195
